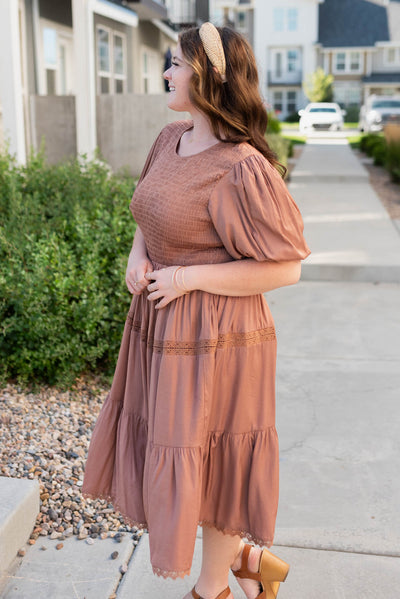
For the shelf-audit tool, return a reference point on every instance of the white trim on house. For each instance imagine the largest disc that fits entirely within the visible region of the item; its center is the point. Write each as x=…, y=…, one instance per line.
x=11, y=79
x=347, y=49
x=173, y=35
x=85, y=97
x=115, y=12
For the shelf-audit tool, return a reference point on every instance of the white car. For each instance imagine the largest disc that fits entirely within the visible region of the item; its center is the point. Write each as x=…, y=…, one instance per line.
x=379, y=111
x=321, y=116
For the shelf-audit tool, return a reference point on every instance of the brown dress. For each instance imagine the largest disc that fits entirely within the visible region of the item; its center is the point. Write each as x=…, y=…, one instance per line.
x=187, y=434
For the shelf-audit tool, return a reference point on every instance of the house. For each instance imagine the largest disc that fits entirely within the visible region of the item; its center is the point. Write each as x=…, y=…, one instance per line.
x=187, y=13
x=285, y=37
x=357, y=41
x=84, y=74
x=235, y=13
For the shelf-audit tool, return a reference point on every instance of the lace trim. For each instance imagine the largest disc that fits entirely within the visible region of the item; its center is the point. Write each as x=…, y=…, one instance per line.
x=172, y=574
x=243, y=534
x=203, y=346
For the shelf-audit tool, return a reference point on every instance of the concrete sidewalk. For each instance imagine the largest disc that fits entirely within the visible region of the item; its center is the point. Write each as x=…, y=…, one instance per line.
x=351, y=235
x=338, y=382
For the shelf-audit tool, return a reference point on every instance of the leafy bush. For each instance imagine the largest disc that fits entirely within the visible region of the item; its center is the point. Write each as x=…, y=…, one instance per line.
x=294, y=117
x=372, y=144
x=352, y=114
x=318, y=86
x=280, y=146
x=65, y=234
x=274, y=125
x=379, y=151
x=393, y=160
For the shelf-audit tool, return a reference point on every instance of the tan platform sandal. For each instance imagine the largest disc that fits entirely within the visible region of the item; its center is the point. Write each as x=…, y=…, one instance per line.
x=223, y=595
x=271, y=572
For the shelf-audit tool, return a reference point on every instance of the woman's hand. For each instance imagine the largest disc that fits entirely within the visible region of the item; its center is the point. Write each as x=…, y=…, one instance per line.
x=136, y=271
x=165, y=286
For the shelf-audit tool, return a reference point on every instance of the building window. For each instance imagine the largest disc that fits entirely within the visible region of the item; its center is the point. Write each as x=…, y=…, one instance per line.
x=111, y=61
x=292, y=60
x=355, y=61
x=278, y=102
x=50, y=59
x=278, y=16
x=292, y=14
x=278, y=65
x=340, y=61
x=104, y=66
x=152, y=80
x=119, y=64
x=291, y=101
x=348, y=62
x=241, y=19
x=392, y=57
x=55, y=60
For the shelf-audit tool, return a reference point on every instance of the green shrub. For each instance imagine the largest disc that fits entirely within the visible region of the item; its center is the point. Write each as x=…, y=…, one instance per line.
x=379, y=151
x=280, y=146
x=352, y=114
x=65, y=234
x=393, y=160
x=294, y=117
x=274, y=124
x=374, y=145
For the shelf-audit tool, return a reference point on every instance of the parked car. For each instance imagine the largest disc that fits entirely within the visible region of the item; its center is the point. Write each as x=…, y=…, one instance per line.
x=319, y=116
x=378, y=111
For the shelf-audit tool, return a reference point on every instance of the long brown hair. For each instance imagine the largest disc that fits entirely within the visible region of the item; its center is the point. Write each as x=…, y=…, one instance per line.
x=234, y=108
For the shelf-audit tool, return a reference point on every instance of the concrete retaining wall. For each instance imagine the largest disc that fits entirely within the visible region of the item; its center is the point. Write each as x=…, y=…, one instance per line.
x=128, y=124
x=53, y=119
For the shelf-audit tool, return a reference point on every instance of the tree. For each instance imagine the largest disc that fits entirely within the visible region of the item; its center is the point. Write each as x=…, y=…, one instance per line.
x=318, y=86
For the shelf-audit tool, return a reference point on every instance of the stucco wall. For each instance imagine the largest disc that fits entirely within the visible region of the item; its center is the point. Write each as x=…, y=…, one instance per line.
x=128, y=124
x=53, y=119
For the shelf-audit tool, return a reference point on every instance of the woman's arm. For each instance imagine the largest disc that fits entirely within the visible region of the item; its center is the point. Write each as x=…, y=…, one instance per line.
x=242, y=277
x=236, y=278
x=138, y=265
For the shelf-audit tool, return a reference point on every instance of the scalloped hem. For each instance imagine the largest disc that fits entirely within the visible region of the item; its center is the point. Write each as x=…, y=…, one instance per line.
x=243, y=534
x=161, y=572
x=167, y=574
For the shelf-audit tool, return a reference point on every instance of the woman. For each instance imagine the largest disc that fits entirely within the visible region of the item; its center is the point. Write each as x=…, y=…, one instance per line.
x=187, y=434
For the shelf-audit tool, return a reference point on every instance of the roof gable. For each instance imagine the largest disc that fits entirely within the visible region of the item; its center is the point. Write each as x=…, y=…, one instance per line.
x=348, y=23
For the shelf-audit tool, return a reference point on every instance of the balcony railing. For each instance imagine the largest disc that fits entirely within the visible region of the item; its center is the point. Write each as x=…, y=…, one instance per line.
x=285, y=77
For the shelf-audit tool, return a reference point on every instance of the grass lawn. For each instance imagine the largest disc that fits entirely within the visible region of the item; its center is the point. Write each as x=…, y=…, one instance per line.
x=295, y=138
x=286, y=125
x=350, y=125
x=354, y=140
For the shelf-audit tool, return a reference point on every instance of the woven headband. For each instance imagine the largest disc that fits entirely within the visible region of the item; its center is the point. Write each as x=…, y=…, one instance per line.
x=212, y=44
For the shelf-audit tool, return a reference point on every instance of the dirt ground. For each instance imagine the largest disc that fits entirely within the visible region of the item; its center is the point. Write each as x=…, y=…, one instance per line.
x=387, y=191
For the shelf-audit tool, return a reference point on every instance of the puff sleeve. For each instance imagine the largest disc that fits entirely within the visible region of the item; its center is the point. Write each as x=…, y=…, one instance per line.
x=255, y=215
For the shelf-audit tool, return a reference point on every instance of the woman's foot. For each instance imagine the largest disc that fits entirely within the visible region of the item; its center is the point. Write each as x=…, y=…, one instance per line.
x=251, y=588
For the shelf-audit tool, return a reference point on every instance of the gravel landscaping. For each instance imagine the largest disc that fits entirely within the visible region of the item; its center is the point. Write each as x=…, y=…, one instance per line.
x=45, y=435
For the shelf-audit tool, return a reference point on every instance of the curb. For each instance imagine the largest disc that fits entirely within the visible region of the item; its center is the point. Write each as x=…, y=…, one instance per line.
x=19, y=506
